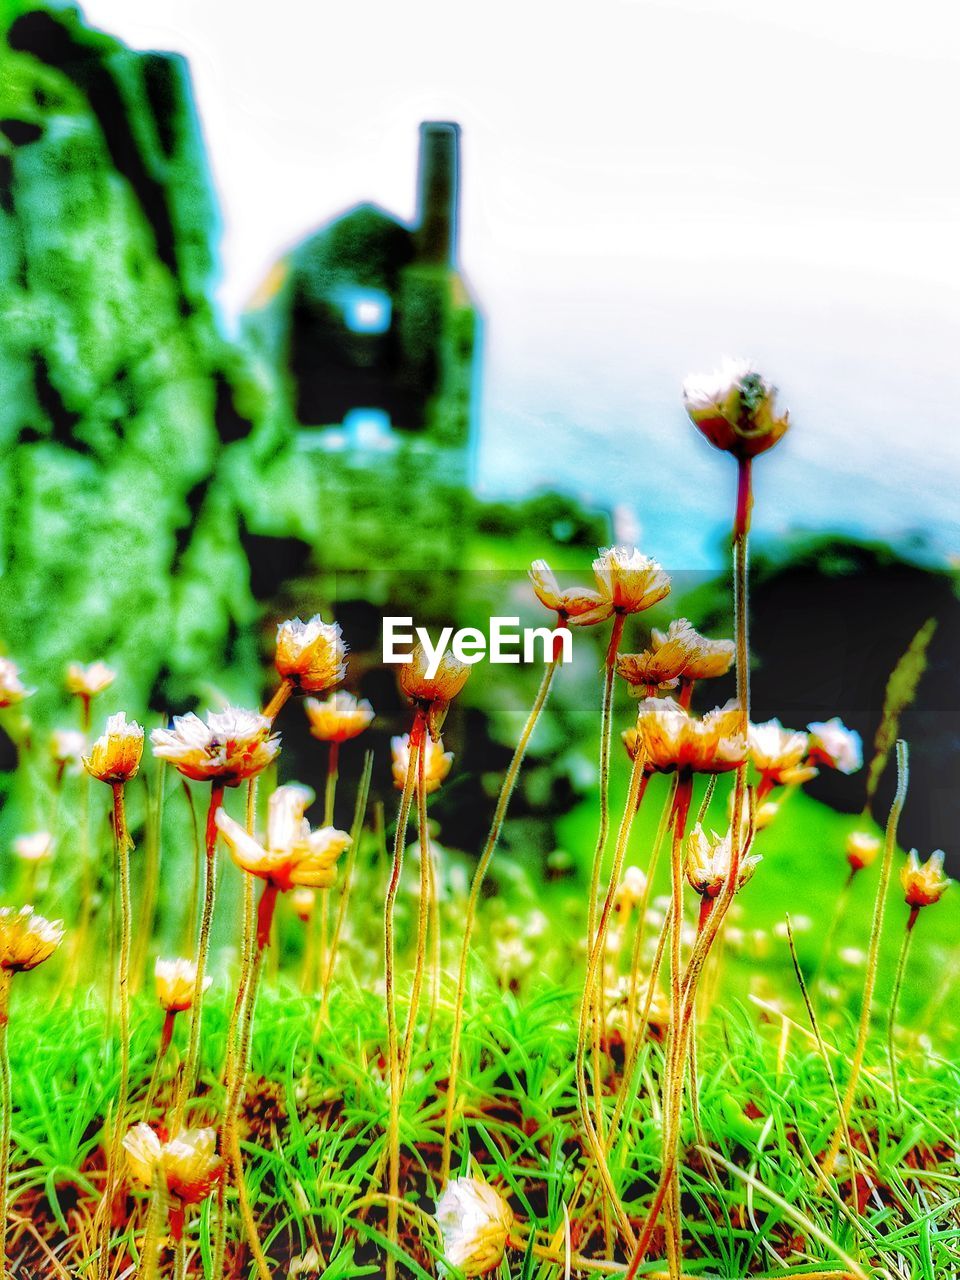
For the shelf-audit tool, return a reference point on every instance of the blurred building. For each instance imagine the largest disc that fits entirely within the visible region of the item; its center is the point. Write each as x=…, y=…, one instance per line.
x=372, y=335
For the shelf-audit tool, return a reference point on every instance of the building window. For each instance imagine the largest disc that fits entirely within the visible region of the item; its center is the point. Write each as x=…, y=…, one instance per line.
x=366, y=310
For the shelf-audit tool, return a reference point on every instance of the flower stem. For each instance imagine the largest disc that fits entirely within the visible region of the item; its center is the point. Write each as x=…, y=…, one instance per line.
x=278, y=701
x=359, y=815
x=873, y=953
x=6, y=1104
x=489, y=848
x=188, y=1079
x=123, y=844
x=895, y=1000
x=389, y=949
x=423, y=909
x=593, y=1132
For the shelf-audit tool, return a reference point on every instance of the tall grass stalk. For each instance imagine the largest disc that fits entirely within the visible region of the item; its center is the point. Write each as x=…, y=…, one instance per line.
x=123, y=846
x=416, y=746
x=873, y=955
x=469, y=920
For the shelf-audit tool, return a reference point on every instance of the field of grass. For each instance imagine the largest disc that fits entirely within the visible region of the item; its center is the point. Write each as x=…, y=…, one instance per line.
x=755, y=1201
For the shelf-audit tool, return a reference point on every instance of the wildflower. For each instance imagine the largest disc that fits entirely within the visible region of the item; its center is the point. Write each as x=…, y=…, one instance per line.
x=307, y=1264
x=679, y=653
x=862, y=849
x=833, y=744
x=735, y=408
x=475, y=1223
x=12, y=688
x=432, y=695
x=672, y=739
x=923, y=883
x=303, y=901
x=36, y=847
x=176, y=984
x=87, y=682
x=232, y=746
x=67, y=747
x=292, y=854
x=617, y=1020
x=628, y=582
x=436, y=763
x=569, y=605
x=311, y=655
x=115, y=756
x=778, y=754
x=27, y=939
x=630, y=890
x=512, y=959
x=187, y=1163
x=339, y=718
x=708, y=863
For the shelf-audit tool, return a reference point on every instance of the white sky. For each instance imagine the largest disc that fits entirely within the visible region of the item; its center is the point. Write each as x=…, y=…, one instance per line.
x=647, y=186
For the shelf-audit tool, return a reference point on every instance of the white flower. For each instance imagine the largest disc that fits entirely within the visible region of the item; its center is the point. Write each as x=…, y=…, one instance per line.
x=475, y=1222
x=36, y=847
x=833, y=744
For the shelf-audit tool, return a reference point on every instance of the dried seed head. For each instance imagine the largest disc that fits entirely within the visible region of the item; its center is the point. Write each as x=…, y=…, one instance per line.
x=311, y=655
x=115, y=756
x=735, y=408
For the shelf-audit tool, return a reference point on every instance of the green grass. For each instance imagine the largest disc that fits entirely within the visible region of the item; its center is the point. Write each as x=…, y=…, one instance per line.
x=314, y=1118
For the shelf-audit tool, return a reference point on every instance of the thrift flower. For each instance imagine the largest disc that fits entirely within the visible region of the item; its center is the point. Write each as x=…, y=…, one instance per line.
x=115, y=756
x=569, y=605
x=672, y=739
x=87, y=682
x=176, y=984
x=436, y=763
x=708, y=862
x=862, y=849
x=339, y=718
x=292, y=854
x=188, y=1163
x=12, y=688
x=27, y=939
x=475, y=1223
x=923, y=883
x=735, y=408
x=833, y=744
x=311, y=655
x=232, y=746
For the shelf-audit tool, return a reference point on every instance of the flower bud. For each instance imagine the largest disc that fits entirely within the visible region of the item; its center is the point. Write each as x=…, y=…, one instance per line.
x=475, y=1223
x=311, y=655
x=923, y=883
x=735, y=408
x=115, y=756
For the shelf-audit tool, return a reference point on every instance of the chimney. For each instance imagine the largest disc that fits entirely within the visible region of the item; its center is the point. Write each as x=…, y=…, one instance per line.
x=438, y=192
